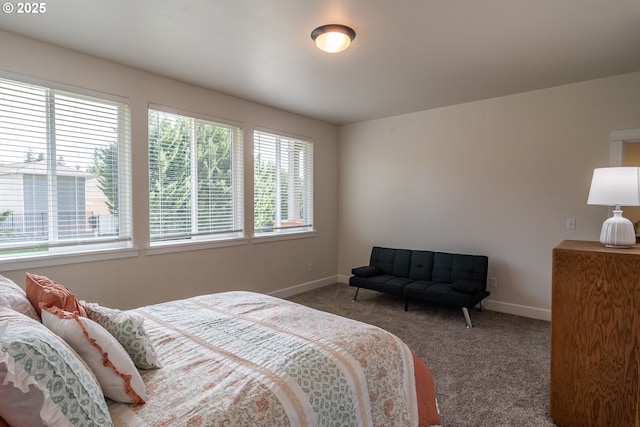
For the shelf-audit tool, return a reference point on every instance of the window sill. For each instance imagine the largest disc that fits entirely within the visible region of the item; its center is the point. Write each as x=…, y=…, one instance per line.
x=63, y=258
x=274, y=237
x=167, y=248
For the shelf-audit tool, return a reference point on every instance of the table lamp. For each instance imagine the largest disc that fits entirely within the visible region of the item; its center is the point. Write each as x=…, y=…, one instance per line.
x=616, y=186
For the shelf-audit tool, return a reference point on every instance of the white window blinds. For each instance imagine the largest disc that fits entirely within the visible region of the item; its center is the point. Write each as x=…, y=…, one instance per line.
x=64, y=170
x=283, y=183
x=195, y=178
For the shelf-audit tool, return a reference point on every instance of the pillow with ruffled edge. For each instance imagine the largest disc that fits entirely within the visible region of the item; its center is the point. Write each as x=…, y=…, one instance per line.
x=128, y=329
x=42, y=380
x=42, y=290
x=116, y=373
x=16, y=298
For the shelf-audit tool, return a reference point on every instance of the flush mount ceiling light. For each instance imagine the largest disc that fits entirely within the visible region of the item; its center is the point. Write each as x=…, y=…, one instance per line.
x=333, y=38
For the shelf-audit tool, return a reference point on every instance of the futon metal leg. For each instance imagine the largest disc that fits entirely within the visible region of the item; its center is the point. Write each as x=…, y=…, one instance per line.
x=356, y=295
x=482, y=305
x=406, y=304
x=465, y=311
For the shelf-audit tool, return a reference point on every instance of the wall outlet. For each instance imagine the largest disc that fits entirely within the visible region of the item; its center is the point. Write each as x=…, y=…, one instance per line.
x=310, y=267
x=571, y=223
x=493, y=283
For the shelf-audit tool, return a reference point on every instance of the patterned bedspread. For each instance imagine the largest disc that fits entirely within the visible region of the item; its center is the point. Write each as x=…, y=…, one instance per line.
x=248, y=359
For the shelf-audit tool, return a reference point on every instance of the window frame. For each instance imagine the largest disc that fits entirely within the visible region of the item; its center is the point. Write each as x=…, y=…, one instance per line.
x=197, y=241
x=293, y=232
x=79, y=250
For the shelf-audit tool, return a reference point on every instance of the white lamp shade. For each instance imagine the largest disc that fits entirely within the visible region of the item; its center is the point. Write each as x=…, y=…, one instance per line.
x=615, y=186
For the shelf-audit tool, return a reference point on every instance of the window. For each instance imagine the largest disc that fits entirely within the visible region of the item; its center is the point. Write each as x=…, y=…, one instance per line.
x=195, y=179
x=64, y=171
x=283, y=184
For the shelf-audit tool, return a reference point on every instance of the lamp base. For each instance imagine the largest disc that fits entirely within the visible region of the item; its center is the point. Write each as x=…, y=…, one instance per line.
x=618, y=232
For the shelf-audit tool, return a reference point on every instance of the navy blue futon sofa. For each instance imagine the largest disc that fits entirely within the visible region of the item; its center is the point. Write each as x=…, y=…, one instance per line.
x=438, y=277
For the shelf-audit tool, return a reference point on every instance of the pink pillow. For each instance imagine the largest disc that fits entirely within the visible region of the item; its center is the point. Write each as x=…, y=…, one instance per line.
x=42, y=290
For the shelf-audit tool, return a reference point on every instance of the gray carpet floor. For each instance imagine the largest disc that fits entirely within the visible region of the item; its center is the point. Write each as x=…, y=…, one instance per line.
x=494, y=374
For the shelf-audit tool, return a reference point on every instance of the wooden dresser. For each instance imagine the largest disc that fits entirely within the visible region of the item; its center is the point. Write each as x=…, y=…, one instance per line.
x=595, y=336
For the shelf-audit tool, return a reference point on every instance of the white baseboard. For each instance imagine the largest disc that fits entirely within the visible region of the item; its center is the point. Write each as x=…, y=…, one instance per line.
x=343, y=278
x=304, y=287
x=518, y=310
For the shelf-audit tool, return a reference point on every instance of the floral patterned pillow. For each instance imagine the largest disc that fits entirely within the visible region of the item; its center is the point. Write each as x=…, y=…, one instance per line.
x=42, y=381
x=128, y=329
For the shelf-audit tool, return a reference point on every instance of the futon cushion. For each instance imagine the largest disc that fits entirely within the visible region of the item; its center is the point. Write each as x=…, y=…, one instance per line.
x=468, y=287
x=394, y=262
x=421, y=265
x=449, y=268
x=382, y=258
x=366, y=271
x=382, y=283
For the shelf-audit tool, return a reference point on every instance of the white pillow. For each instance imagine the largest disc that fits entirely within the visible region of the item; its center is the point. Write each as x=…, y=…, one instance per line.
x=112, y=366
x=128, y=329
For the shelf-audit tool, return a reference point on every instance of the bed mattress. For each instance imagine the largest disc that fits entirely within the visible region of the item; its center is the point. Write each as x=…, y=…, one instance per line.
x=249, y=359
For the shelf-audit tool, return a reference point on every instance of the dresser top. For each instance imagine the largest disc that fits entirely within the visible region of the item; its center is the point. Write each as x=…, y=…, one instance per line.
x=584, y=245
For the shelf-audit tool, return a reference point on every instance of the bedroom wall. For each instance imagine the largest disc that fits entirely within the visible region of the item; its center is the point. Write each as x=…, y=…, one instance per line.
x=497, y=177
x=632, y=158
x=265, y=267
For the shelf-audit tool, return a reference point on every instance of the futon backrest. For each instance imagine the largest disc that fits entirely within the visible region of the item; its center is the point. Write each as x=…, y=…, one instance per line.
x=421, y=265
x=449, y=268
x=394, y=262
x=438, y=267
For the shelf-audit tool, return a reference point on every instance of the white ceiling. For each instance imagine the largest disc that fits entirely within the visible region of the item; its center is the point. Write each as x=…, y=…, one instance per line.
x=408, y=55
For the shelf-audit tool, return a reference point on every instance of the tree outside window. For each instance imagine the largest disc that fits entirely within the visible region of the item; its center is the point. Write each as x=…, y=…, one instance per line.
x=283, y=184
x=194, y=190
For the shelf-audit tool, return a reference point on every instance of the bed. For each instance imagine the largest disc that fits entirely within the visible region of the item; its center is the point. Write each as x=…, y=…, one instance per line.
x=249, y=359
